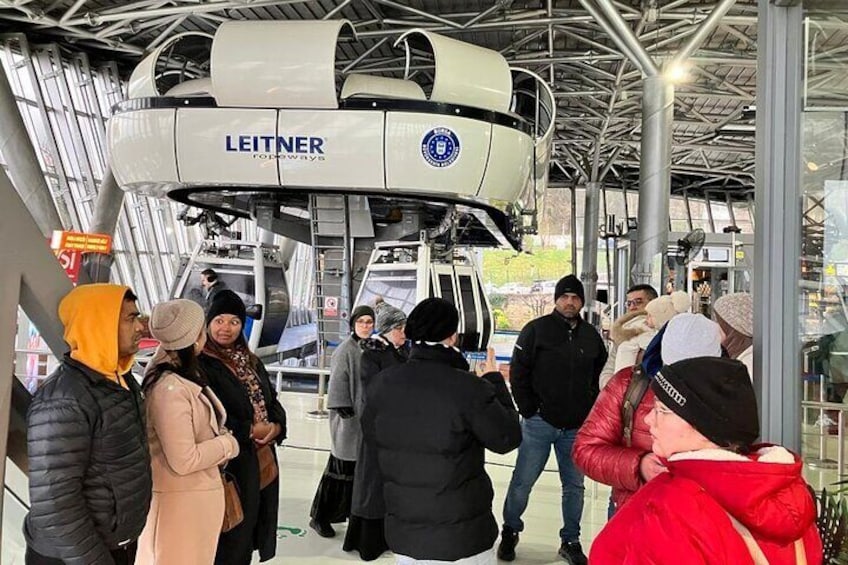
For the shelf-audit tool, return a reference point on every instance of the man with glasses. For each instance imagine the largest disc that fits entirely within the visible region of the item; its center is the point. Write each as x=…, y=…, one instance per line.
x=89, y=464
x=638, y=297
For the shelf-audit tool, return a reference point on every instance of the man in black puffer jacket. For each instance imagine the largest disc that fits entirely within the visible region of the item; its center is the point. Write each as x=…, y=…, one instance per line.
x=89, y=465
x=431, y=421
x=554, y=375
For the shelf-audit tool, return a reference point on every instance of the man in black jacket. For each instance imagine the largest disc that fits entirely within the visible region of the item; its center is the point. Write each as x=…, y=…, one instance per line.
x=212, y=285
x=554, y=376
x=89, y=465
x=431, y=421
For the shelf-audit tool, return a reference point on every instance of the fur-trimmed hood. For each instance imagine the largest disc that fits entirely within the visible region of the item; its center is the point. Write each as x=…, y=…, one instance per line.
x=630, y=325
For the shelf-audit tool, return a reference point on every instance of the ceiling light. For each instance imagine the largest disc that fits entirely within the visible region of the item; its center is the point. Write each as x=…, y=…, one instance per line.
x=812, y=167
x=677, y=73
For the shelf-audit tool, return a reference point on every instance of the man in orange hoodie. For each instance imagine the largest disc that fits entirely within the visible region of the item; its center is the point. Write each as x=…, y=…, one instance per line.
x=89, y=464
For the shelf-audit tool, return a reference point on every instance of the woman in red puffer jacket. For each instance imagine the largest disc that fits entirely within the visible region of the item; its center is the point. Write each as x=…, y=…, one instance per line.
x=723, y=500
x=601, y=450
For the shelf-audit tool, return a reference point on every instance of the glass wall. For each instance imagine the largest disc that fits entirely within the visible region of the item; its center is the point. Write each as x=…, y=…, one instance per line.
x=65, y=102
x=824, y=241
x=519, y=285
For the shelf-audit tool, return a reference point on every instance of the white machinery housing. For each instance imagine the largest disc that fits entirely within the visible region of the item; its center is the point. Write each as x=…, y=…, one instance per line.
x=268, y=124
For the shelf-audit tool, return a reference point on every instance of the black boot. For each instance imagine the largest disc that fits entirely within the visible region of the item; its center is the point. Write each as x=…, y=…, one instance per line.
x=324, y=530
x=509, y=539
x=573, y=554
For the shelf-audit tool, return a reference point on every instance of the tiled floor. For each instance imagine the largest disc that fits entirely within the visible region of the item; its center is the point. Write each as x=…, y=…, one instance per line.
x=302, y=460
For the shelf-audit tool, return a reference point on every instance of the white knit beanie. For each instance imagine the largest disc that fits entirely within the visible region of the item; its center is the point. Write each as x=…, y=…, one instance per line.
x=688, y=336
x=177, y=323
x=664, y=308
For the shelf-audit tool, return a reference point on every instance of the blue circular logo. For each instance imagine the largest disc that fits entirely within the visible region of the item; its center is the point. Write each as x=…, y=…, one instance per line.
x=440, y=147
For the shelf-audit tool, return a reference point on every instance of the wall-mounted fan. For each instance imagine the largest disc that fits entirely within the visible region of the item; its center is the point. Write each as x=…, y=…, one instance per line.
x=690, y=245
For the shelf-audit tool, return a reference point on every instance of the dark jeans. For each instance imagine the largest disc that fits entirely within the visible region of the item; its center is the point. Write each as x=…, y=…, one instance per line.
x=125, y=556
x=537, y=438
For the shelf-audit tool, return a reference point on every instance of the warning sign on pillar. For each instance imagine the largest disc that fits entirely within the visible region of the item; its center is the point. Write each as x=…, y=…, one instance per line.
x=331, y=307
x=70, y=260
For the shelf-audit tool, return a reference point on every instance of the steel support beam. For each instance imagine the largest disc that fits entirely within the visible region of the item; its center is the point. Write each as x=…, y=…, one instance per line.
x=704, y=31
x=777, y=238
x=24, y=168
x=622, y=34
x=654, y=178
x=589, y=274
x=32, y=278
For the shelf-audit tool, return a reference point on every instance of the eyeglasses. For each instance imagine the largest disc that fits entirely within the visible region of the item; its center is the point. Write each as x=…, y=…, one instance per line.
x=661, y=410
x=635, y=302
x=364, y=322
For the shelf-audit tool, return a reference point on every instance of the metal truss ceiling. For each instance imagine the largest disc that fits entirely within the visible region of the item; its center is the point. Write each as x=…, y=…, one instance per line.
x=597, y=88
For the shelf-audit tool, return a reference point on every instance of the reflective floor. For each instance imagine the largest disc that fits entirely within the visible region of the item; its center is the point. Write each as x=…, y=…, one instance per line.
x=302, y=460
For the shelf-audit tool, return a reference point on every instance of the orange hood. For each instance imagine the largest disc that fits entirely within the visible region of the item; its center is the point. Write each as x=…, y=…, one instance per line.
x=90, y=314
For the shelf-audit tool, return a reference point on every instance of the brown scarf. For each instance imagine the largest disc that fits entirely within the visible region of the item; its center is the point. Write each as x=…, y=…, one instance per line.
x=240, y=362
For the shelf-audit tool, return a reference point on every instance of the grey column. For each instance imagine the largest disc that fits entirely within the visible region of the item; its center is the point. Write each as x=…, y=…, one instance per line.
x=32, y=278
x=110, y=198
x=777, y=239
x=589, y=275
x=24, y=168
x=654, y=176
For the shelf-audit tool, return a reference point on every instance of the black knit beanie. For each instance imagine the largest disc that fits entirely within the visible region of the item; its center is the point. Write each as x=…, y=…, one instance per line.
x=570, y=284
x=434, y=319
x=226, y=302
x=358, y=312
x=714, y=395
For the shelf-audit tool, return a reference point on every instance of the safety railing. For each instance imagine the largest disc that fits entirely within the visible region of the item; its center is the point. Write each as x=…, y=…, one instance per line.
x=322, y=374
x=827, y=418
x=822, y=422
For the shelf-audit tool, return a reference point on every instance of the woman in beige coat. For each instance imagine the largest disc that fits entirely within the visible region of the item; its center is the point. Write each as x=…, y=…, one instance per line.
x=188, y=443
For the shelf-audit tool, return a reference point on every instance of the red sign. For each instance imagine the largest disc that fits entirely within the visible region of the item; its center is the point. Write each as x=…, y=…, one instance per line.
x=70, y=260
x=331, y=307
x=87, y=242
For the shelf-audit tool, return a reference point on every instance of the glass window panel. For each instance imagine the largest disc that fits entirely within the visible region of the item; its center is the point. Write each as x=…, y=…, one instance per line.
x=678, y=215
x=633, y=203
x=742, y=214
x=615, y=205
x=721, y=214
x=700, y=219
x=397, y=286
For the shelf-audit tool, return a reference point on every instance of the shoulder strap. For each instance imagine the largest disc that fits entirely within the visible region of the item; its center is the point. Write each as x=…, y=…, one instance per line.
x=632, y=397
x=757, y=553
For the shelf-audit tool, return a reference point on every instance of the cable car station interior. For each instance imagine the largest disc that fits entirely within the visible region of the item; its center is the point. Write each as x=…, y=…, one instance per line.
x=322, y=155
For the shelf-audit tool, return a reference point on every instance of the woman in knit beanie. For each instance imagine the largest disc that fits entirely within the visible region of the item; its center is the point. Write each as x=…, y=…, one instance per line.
x=258, y=421
x=723, y=498
x=188, y=441
x=660, y=310
x=344, y=391
x=365, y=530
x=735, y=315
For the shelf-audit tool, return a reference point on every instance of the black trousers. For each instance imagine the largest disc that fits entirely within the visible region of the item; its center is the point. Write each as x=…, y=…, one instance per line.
x=124, y=556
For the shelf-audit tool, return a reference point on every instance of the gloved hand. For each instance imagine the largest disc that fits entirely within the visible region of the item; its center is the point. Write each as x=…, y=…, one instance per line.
x=345, y=412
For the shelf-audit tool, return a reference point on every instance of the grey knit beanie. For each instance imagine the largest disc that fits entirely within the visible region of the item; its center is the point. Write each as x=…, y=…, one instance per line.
x=177, y=323
x=388, y=317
